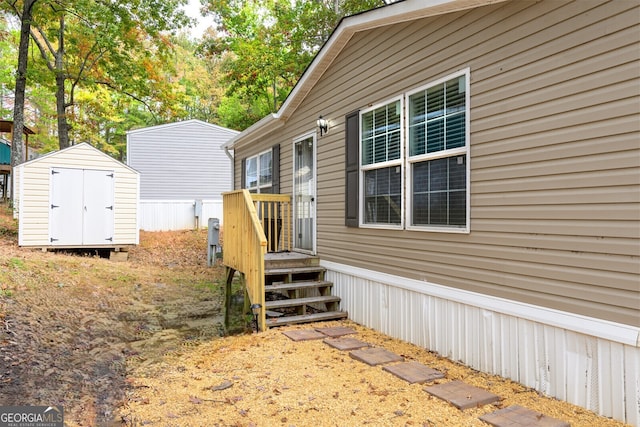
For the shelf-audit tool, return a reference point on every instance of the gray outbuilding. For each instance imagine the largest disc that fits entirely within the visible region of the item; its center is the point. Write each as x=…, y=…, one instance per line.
x=183, y=173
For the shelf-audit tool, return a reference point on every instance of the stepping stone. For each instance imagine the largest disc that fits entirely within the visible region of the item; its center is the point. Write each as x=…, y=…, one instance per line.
x=337, y=331
x=461, y=395
x=517, y=416
x=414, y=372
x=375, y=356
x=346, y=343
x=304, y=335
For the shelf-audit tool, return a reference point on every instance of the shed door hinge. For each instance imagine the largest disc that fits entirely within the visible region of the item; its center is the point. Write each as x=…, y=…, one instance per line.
x=54, y=206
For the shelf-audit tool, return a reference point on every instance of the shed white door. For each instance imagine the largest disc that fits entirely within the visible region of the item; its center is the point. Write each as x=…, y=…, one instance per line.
x=81, y=207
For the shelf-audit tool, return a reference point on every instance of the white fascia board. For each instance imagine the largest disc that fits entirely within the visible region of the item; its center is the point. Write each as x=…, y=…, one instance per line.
x=387, y=15
x=258, y=129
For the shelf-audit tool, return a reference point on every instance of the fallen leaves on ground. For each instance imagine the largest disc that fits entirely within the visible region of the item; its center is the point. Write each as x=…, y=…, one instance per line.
x=266, y=379
x=137, y=343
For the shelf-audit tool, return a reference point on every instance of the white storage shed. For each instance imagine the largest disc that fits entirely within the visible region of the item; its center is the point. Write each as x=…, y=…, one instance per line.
x=78, y=197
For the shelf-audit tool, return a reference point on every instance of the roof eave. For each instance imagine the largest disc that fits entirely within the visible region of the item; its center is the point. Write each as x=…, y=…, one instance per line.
x=391, y=14
x=178, y=124
x=260, y=128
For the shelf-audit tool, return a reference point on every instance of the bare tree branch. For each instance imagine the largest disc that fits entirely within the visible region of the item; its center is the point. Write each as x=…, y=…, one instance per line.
x=130, y=95
x=44, y=46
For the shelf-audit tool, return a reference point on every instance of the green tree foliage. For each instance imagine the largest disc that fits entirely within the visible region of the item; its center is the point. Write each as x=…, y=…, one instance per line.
x=8, y=61
x=264, y=46
x=117, y=66
x=197, y=82
x=122, y=46
x=17, y=147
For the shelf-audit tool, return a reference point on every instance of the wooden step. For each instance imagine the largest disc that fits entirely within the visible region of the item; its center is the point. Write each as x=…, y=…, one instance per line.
x=293, y=270
x=306, y=318
x=276, y=287
x=289, y=259
x=300, y=301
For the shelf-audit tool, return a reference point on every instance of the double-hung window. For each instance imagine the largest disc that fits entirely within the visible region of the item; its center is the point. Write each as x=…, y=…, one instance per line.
x=419, y=181
x=437, y=154
x=258, y=173
x=381, y=164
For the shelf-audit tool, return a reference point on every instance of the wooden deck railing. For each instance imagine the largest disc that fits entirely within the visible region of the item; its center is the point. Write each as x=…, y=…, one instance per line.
x=274, y=211
x=246, y=218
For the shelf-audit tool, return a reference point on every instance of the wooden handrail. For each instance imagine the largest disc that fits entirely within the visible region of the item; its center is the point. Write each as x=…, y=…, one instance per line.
x=245, y=245
x=253, y=225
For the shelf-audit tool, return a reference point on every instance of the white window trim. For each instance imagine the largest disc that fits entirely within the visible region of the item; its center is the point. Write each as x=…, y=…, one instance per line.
x=399, y=163
x=442, y=154
x=258, y=186
x=405, y=162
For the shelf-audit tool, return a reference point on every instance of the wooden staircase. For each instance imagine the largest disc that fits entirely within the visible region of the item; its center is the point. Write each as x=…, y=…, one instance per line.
x=296, y=292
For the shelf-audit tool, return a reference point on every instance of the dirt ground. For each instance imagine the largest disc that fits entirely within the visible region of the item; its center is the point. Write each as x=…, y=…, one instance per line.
x=142, y=343
x=74, y=326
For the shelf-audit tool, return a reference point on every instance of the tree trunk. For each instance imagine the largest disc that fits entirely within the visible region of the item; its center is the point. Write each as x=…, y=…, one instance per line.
x=61, y=109
x=63, y=126
x=17, y=146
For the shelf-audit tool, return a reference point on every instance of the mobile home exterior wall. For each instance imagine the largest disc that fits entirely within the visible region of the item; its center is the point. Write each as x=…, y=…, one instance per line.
x=543, y=286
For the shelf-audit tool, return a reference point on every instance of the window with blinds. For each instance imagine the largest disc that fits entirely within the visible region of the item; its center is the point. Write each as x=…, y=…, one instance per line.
x=259, y=173
x=437, y=162
x=434, y=157
x=381, y=164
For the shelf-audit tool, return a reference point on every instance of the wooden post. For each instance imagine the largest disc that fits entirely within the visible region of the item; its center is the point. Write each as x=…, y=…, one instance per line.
x=230, y=272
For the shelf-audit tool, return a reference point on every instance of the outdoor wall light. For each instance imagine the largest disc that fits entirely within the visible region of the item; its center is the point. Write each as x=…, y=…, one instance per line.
x=255, y=309
x=323, y=125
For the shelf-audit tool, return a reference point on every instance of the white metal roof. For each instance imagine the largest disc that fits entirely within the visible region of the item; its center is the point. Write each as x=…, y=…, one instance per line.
x=181, y=123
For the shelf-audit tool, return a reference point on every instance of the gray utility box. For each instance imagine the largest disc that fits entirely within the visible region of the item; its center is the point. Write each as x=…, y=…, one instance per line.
x=213, y=240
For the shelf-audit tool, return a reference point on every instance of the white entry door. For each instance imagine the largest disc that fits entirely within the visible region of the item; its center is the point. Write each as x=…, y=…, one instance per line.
x=304, y=194
x=81, y=211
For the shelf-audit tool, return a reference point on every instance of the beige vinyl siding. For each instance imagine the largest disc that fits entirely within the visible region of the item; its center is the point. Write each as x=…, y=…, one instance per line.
x=555, y=158
x=35, y=192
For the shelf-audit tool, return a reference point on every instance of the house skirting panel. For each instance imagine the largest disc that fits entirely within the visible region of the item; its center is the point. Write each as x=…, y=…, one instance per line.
x=168, y=215
x=585, y=361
